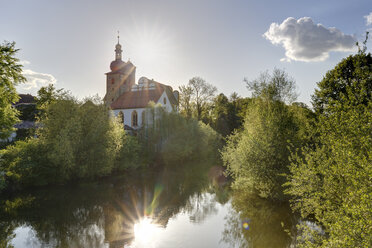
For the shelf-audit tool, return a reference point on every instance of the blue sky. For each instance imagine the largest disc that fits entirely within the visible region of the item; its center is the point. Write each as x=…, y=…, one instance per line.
x=71, y=43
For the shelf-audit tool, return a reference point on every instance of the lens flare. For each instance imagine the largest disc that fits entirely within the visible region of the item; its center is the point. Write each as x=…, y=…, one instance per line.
x=145, y=231
x=245, y=224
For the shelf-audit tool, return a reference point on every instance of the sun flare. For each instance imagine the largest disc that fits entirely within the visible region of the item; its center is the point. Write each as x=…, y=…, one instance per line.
x=145, y=231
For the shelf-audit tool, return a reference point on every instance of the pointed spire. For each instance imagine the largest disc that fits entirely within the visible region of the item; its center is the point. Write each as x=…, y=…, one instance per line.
x=118, y=50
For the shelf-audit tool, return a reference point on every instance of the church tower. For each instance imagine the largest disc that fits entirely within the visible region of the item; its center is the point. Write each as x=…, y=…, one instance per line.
x=121, y=77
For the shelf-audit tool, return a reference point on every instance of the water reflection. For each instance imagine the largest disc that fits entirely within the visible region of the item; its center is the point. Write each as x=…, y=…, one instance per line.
x=136, y=211
x=256, y=222
x=108, y=212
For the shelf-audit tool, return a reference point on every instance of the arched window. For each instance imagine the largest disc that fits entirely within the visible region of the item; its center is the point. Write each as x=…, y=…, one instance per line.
x=134, y=119
x=165, y=100
x=121, y=117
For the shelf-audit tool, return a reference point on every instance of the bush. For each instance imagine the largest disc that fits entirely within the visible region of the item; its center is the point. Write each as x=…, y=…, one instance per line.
x=258, y=157
x=171, y=138
x=76, y=140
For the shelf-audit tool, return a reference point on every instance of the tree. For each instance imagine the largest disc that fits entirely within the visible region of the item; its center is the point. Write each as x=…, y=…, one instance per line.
x=77, y=139
x=186, y=93
x=349, y=82
x=48, y=95
x=257, y=157
x=331, y=182
x=278, y=86
x=203, y=93
x=195, y=96
x=10, y=75
x=220, y=115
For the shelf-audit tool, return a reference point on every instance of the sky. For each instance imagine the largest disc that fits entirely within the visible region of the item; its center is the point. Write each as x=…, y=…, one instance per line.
x=71, y=43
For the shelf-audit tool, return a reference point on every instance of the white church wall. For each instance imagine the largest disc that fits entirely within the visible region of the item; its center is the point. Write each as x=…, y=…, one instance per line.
x=128, y=112
x=167, y=105
x=128, y=116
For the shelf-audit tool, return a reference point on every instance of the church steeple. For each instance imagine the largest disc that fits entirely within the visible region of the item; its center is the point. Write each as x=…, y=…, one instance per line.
x=118, y=50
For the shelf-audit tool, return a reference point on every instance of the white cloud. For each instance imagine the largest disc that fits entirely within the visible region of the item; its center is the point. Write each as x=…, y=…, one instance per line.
x=36, y=79
x=24, y=62
x=305, y=41
x=368, y=19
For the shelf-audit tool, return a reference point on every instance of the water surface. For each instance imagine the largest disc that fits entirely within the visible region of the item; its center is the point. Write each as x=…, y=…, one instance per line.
x=188, y=206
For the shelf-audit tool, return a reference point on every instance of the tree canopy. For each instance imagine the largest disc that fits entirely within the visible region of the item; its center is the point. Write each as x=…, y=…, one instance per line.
x=278, y=86
x=195, y=97
x=10, y=75
x=331, y=182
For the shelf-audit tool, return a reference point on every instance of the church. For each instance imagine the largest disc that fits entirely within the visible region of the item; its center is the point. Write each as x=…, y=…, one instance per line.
x=128, y=99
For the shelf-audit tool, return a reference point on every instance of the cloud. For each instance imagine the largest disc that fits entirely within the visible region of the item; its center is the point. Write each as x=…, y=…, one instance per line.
x=305, y=41
x=24, y=62
x=36, y=79
x=368, y=19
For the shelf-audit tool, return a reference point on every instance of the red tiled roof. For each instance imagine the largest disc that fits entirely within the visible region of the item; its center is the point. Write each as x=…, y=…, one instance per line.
x=138, y=99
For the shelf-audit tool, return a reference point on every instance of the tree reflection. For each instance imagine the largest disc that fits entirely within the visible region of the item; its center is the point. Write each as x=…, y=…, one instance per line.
x=96, y=214
x=268, y=224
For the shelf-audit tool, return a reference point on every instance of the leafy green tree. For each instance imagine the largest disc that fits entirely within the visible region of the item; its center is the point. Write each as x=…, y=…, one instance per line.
x=10, y=75
x=48, y=95
x=171, y=138
x=258, y=156
x=350, y=82
x=185, y=100
x=77, y=139
x=331, y=182
x=220, y=115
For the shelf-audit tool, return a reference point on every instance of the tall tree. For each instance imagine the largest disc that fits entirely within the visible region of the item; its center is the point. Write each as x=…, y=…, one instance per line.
x=10, y=75
x=278, y=86
x=258, y=156
x=47, y=95
x=186, y=93
x=195, y=97
x=349, y=82
x=332, y=182
x=220, y=114
x=203, y=94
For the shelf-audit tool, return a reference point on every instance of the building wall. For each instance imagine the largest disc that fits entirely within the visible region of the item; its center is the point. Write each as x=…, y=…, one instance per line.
x=167, y=105
x=128, y=116
x=128, y=112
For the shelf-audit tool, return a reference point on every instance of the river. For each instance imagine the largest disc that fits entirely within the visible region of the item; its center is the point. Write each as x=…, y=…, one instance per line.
x=191, y=206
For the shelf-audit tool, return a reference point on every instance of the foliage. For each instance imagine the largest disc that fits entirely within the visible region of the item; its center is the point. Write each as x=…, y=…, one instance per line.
x=129, y=155
x=331, y=182
x=228, y=114
x=27, y=112
x=172, y=138
x=185, y=100
x=10, y=75
x=76, y=140
x=48, y=95
x=258, y=156
x=350, y=82
x=195, y=97
x=276, y=87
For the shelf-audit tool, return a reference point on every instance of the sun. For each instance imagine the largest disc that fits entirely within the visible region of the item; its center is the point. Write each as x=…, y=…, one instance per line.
x=150, y=45
x=145, y=231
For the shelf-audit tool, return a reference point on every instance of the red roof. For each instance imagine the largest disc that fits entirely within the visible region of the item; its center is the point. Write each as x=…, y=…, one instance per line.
x=138, y=99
